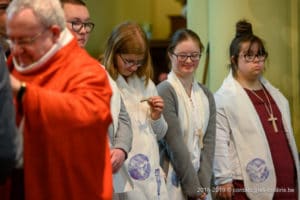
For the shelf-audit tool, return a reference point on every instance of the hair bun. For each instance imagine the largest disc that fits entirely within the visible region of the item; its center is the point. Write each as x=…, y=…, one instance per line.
x=243, y=28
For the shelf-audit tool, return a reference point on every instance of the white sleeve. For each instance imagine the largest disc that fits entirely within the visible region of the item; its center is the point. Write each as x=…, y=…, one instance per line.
x=222, y=162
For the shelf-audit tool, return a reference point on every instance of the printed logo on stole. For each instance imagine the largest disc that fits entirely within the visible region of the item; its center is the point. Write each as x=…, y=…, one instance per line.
x=257, y=170
x=139, y=167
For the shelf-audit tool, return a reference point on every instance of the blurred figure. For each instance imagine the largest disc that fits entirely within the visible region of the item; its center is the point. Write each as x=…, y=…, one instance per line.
x=120, y=131
x=8, y=129
x=187, y=150
x=128, y=61
x=162, y=76
x=62, y=98
x=3, y=5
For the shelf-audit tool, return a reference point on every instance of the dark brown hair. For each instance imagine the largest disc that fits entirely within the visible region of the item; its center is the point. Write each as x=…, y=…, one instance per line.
x=243, y=34
x=182, y=35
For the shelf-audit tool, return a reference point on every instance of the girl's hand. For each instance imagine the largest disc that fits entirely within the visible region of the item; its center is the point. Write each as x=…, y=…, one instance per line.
x=156, y=106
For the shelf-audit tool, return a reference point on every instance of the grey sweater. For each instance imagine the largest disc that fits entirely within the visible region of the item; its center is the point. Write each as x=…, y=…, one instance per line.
x=123, y=136
x=8, y=129
x=174, y=150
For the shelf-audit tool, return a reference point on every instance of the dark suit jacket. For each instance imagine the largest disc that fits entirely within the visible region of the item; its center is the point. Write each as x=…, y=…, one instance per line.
x=7, y=122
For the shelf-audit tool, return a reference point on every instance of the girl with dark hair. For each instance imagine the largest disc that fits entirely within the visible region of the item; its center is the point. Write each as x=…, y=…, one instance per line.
x=256, y=155
x=187, y=150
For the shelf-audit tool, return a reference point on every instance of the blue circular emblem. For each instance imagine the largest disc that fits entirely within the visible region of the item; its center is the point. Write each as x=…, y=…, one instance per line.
x=139, y=167
x=257, y=170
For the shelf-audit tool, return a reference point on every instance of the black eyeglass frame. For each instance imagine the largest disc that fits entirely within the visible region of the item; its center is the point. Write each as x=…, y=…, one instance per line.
x=78, y=25
x=26, y=41
x=251, y=57
x=131, y=63
x=183, y=57
x=3, y=6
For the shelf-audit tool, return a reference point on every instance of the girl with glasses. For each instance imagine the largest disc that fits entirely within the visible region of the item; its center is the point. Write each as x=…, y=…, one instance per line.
x=256, y=155
x=128, y=61
x=188, y=148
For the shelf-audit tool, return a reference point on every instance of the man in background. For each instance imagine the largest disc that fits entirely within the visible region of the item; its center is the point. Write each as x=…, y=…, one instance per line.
x=78, y=20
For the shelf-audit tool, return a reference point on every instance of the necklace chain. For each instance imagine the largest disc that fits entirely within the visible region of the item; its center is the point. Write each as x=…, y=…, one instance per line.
x=268, y=107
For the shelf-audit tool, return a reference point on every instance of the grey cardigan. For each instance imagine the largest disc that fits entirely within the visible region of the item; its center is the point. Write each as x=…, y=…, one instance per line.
x=123, y=137
x=8, y=129
x=174, y=150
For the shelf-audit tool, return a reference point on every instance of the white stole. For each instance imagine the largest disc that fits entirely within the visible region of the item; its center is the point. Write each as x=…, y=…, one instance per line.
x=193, y=114
x=121, y=179
x=144, y=155
x=115, y=106
x=249, y=137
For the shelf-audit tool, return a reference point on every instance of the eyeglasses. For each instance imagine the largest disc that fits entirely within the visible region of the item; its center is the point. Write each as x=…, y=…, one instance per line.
x=183, y=57
x=251, y=57
x=26, y=40
x=3, y=6
x=131, y=63
x=78, y=25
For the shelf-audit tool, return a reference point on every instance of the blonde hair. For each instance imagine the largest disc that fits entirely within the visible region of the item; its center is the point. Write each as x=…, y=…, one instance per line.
x=128, y=38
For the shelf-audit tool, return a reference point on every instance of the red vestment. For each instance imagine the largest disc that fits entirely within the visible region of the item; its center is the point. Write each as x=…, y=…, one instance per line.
x=67, y=112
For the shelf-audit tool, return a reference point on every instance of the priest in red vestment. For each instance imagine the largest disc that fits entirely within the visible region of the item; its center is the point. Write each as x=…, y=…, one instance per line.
x=63, y=106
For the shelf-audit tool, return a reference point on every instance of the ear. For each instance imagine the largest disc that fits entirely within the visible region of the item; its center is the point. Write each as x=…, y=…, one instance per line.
x=56, y=30
x=170, y=55
x=232, y=60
